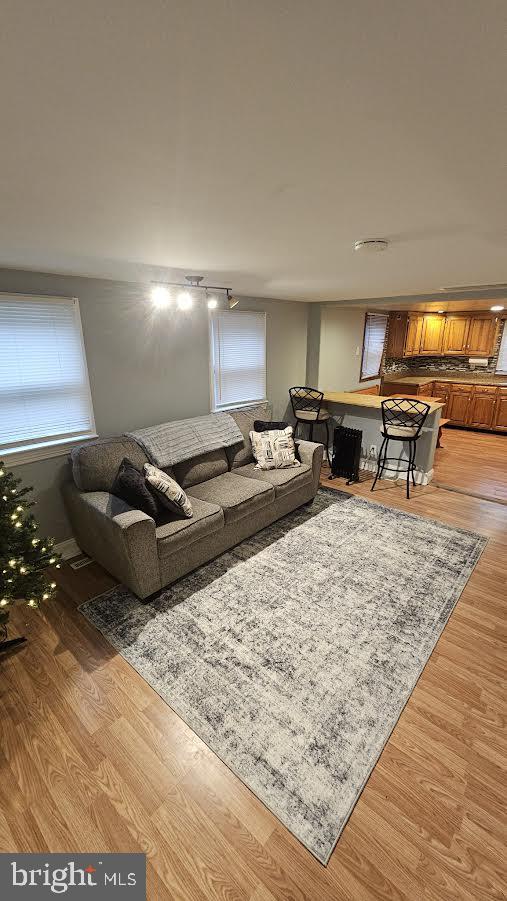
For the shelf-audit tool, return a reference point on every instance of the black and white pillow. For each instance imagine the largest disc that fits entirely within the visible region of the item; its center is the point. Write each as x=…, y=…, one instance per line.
x=167, y=491
x=274, y=449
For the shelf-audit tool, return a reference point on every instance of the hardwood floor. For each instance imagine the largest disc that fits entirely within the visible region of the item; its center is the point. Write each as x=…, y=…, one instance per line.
x=473, y=462
x=91, y=758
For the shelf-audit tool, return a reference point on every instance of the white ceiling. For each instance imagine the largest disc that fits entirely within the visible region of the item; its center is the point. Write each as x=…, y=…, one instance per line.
x=254, y=141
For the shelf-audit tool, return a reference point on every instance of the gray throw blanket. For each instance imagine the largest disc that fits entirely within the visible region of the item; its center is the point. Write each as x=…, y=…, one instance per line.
x=173, y=442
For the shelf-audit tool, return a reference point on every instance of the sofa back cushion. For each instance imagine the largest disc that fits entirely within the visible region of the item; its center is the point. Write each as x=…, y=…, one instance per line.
x=241, y=454
x=201, y=469
x=95, y=465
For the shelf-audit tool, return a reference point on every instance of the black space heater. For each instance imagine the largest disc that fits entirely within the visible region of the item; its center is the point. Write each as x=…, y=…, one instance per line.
x=346, y=453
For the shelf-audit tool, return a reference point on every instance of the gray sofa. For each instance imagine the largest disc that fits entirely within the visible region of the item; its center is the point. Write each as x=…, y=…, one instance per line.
x=230, y=498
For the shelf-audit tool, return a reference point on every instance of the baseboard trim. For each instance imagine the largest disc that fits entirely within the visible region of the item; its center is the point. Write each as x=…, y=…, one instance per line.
x=68, y=548
x=421, y=478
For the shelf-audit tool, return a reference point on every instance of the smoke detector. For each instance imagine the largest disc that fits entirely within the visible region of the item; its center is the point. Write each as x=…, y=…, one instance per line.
x=374, y=246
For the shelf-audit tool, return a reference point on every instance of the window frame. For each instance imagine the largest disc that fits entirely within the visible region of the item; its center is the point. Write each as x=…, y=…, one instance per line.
x=238, y=405
x=371, y=378
x=503, y=340
x=43, y=449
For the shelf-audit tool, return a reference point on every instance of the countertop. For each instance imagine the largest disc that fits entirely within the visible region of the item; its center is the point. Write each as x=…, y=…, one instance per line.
x=373, y=401
x=462, y=378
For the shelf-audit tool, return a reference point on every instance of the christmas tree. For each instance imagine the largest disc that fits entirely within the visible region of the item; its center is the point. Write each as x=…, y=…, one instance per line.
x=24, y=557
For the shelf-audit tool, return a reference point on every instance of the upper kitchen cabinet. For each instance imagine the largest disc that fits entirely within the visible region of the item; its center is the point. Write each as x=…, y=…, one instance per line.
x=436, y=335
x=396, y=333
x=414, y=333
x=481, y=336
x=456, y=330
x=432, y=335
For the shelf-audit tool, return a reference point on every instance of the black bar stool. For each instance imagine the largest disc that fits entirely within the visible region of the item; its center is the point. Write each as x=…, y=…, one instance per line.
x=307, y=408
x=402, y=420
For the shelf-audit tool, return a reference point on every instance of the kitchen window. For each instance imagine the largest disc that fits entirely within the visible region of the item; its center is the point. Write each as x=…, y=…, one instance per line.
x=238, y=358
x=45, y=401
x=375, y=327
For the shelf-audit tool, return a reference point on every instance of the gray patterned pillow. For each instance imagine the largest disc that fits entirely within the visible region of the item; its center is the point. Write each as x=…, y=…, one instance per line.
x=274, y=449
x=168, y=492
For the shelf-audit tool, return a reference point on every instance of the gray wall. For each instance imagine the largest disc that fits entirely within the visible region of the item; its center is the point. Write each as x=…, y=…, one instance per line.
x=341, y=342
x=147, y=368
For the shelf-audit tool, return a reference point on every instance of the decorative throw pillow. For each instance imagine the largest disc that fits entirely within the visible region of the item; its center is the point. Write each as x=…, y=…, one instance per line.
x=274, y=449
x=167, y=491
x=265, y=425
x=131, y=487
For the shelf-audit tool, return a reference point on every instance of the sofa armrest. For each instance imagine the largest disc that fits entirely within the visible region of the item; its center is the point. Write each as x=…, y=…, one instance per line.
x=121, y=539
x=311, y=453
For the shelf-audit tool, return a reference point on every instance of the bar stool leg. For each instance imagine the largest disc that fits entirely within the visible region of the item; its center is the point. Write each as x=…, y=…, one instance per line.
x=413, y=462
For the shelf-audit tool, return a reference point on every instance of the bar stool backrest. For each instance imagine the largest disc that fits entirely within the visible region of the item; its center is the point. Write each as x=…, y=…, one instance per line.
x=404, y=412
x=307, y=399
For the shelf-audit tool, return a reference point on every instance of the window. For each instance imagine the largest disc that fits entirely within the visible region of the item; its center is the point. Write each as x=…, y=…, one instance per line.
x=44, y=392
x=375, y=325
x=238, y=358
x=501, y=365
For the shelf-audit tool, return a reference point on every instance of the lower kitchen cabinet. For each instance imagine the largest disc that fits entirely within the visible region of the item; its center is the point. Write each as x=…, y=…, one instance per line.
x=500, y=420
x=482, y=409
x=458, y=404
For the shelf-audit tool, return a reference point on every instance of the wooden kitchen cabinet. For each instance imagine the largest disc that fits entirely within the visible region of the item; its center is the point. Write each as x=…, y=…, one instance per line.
x=456, y=330
x=432, y=334
x=481, y=336
x=500, y=416
x=396, y=335
x=458, y=403
x=442, y=390
x=482, y=408
x=414, y=334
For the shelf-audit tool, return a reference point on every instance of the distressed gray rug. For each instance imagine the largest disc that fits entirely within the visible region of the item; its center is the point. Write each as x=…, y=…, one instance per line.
x=293, y=655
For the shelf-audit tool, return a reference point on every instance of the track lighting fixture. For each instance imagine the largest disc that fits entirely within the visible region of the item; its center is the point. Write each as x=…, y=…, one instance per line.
x=214, y=295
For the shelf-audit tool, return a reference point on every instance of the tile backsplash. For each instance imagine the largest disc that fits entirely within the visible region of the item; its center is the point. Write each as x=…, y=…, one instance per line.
x=447, y=364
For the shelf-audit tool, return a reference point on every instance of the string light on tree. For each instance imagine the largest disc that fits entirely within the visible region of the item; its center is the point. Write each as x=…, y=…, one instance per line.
x=24, y=559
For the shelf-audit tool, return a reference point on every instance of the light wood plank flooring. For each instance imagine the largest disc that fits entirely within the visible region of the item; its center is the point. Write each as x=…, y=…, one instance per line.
x=473, y=462
x=91, y=758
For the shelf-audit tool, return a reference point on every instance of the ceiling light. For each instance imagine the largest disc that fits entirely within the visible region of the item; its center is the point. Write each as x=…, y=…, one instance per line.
x=160, y=297
x=212, y=303
x=233, y=301
x=497, y=308
x=377, y=245
x=184, y=300
x=440, y=311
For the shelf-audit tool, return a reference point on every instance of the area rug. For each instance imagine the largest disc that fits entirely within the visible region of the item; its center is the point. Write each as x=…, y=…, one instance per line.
x=293, y=655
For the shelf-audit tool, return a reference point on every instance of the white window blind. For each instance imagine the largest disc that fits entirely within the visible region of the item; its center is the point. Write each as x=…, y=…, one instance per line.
x=238, y=358
x=373, y=345
x=44, y=390
x=501, y=365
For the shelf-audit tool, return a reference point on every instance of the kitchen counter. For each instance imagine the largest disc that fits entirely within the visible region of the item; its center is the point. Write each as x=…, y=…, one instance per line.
x=372, y=401
x=461, y=378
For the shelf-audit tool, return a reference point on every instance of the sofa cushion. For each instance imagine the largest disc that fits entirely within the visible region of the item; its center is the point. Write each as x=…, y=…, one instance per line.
x=236, y=495
x=200, y=469
x=239, y=454
x=169, y=494
x=283, y=480
x=130, y=485
x=175, y=534
x=95, y=464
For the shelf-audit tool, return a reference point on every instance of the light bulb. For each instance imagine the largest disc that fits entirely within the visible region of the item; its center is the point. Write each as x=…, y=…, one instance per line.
x=160, y=297
x=52, y=584
x=22, y=569
x=17, y=525
x=32, y=602
x=212, y=303
x=14, y=515
x=184, y=300
x=52, y=559
x=1, y=472
x=4, y=602
x=35, y=541
x=19, y=509
x=12, y=562
x=4, y=497
x=497, y=308
x=45, y=597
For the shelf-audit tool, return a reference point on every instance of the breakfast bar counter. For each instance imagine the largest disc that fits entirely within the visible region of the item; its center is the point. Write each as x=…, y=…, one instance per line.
x=364, y=412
